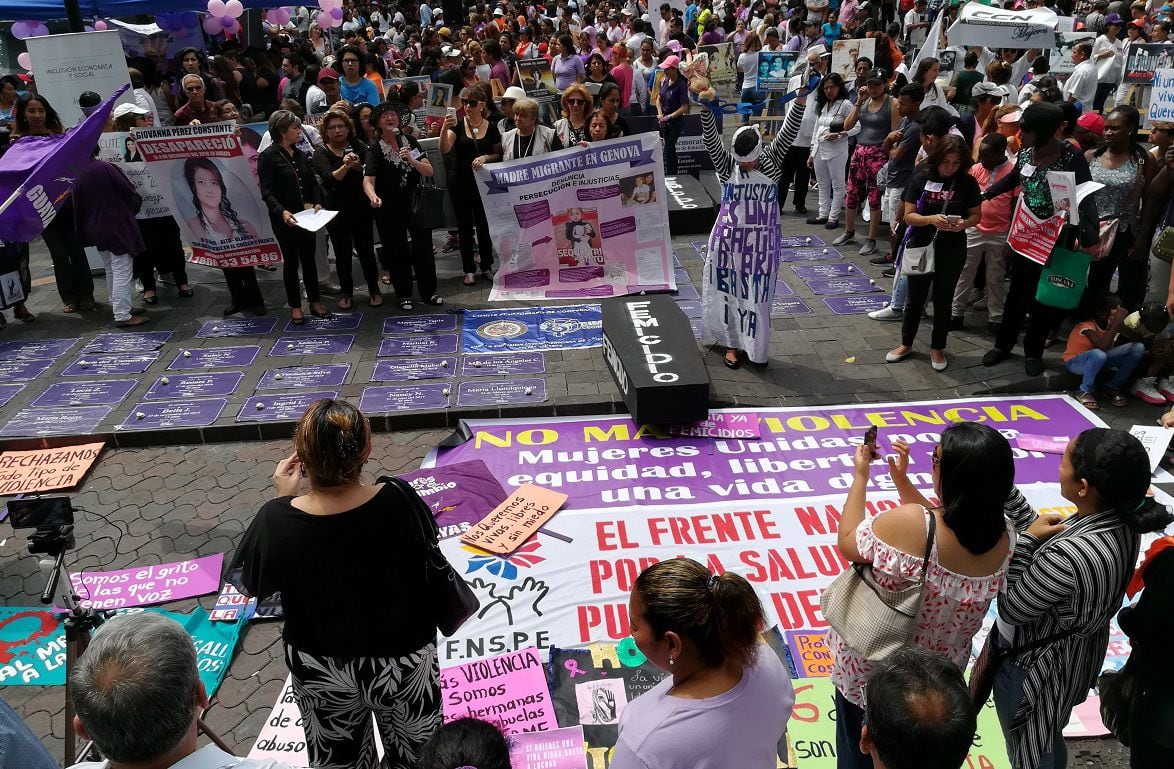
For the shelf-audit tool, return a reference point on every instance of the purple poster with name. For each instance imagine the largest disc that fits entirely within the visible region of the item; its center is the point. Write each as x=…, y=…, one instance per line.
x=784, y=306
x=688, y=292
x=8, y=392
x=426, y=344
x=211, y=385
x=149, y=584
x=389, y=400
x=803, y=451
x=318, y=375
x=287, y=407
x=799, y=241
x=691, y=308
x=236, y=327
x=841, y=286
x=215, y=357
x=405, y=369
x=25, y=349
x=333, y=344
x=70, y=420
x=111, y=365
x=420, y=324
x=783, y=288
x=856, y=305
x=829, y=270
x=501, y=392
x=809, y=254
x=503, y=364
x=338, y=321
x=459, y=494
x=140, y=341
x=22, y=370
x=108, y=392
x=162, y=415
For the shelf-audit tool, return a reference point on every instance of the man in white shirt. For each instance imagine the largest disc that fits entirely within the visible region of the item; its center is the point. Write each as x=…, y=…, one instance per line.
x=637, y=37
x=140, y=670
x=662, y=27
x=917, y=24
x=1081, y=85
x=380, y=19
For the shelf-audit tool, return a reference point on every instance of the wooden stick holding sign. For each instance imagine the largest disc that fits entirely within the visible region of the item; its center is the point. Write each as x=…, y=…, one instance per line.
x=514, y=521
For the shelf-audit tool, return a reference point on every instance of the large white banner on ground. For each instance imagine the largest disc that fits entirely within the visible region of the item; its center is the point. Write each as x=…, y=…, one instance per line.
x=587, y=221
x=66, y=66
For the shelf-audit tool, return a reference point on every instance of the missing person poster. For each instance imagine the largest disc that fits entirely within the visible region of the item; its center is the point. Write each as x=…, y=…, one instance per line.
x=207, y=179
x=537, y=80
x=121, y=149
x=583, y=222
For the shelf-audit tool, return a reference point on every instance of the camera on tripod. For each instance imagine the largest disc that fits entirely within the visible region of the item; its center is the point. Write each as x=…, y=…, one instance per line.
x=52, y=517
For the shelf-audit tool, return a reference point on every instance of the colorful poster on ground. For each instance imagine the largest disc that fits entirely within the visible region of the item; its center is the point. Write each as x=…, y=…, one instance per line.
x=459, y=494
x=204, y=175
x=515, y=520
x=1145, y=59
x=119, y=148
x=68, y=65
x=41, y=470
x=532, y=329
x=555, y=749
x=581, y=222
x=32, y=647
x=508, y=690
x=144, y=585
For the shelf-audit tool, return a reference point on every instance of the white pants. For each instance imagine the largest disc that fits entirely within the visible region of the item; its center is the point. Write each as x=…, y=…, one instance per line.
x=119, y=273
x=831, y=173
x=892, y=206
x=994, y=247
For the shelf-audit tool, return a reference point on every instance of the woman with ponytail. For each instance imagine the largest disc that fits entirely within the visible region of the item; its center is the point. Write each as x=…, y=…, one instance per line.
x=349, y=662
x=727, y=698
x=1066, y=581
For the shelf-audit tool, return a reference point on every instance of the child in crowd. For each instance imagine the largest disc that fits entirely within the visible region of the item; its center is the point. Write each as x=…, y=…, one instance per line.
x=987, y=241
x=1091, y=348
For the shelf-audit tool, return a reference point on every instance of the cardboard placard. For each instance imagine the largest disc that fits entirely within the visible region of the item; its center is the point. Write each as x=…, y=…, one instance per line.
x=514, y=521
x=143, y=585
x=41, y=470
x=556, y=749
x=509, y=691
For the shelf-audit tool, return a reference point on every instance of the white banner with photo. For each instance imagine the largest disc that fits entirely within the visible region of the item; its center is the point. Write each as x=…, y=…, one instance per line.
x=121, y=149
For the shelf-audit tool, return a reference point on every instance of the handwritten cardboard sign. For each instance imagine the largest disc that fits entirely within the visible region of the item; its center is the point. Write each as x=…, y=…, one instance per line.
x=283, y=736
x=514, y=521
x=41, y=470
x=556, y=749
x=145, y=585
x=721, y=425
x=508, y=690
x=810, y=652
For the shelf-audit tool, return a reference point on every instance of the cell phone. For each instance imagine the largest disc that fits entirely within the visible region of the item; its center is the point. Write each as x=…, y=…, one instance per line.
x=870, y=441
x=953, y=218
x=40, y=512
x=451, y=112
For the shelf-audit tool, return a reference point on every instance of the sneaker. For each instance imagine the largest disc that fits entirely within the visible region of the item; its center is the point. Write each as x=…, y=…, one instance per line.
x=887, y=313
x=451, y=245
x=881, y=258
x=869, y=248
x=889, y=271
x=845, y=239
x=1166, y=388
x=1146, y=389
x=833, y=224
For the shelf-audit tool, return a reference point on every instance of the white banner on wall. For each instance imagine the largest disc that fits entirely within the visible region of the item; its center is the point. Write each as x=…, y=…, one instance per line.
x=66, y=66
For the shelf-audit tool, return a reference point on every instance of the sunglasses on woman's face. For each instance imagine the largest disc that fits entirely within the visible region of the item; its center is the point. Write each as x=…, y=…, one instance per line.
x=573, y=102
x=470, y=102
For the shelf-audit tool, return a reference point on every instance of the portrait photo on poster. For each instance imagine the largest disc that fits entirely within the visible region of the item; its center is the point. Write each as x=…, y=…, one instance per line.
x=214, y=205
x=576, y=234
x=638, y=190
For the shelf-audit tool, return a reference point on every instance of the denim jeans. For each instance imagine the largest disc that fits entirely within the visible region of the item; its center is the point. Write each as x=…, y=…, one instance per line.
x=1089, y=364
x=751, y=96
x=900, y=291
x=1008, y=693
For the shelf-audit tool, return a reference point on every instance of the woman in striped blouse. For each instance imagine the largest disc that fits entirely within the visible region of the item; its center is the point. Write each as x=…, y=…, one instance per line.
x=1065, y=582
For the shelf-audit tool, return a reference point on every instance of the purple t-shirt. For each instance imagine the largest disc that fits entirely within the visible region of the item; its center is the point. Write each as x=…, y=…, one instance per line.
x=740, y=728
x=566, y=70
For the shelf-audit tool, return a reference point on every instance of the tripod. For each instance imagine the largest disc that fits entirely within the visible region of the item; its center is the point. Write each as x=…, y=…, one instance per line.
x=80, y=623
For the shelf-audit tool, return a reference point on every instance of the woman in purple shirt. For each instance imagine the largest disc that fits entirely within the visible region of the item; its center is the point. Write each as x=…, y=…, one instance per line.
x=671, y=107
x=567, y=67
x=728, y=697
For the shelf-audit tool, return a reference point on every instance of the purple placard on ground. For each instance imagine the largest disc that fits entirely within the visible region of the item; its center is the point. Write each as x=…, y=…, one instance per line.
x=24, y=349
x=336, y=344
x=830, y=270
x=609, y=192
x=427, y=344
x=109, y=392
x=813, y=254
x=676, y=261
x=688, y=293
x=617, y=227
x=841, y=286
x=501, y=392
x=111, y=365
x=531, y=214
x=389, y=400
x=681, y=276
x=503, y=364
x=344, y=321
x=192, y=413
x=420, y=324
x=23, y=370
x=140, y=341
x=280, y=407
x=211, y=385
x=580, y=274
x=696, y=326
x=783, y=306
x=691, y=308
x=316, y=375
x=407, y=369
x=71, y=420
x=739, y=424
x=799, y=241
x=856, y=305
x=146, y=585
x=1047, y=444
x=8, y=392
x=215, y=357
x=527, y=279
x=236, y=327
x=783, y=288
x=459, y=494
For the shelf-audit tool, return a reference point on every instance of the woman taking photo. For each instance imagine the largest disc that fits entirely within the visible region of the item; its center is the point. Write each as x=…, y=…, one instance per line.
x=572, y=127
x=877, y=114
x=1065, y=583
x=529, y=138
x=941, y=202
x=671, y=107
x=566, y=66
x=609, y=107
x=350, y=664
x=288, y=187
x=829, y=149
x=727, y=698
x=339, y=164
x=395, y=164
x=973, y=476
x=475, y=140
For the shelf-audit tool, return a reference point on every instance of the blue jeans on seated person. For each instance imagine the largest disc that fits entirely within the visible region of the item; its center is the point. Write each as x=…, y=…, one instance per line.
x=751, y=96
x=1123, y=358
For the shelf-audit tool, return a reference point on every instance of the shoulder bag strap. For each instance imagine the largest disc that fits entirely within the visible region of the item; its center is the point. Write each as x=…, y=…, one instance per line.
x=929, y=540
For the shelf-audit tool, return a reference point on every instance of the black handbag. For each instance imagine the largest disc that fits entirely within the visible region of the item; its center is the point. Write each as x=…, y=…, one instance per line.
x=452, y=598
x=427, y=207
x=992, y=657
x=1115, y=688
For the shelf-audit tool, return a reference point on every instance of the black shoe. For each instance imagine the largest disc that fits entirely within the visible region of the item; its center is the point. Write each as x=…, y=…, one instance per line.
x=995, y=357
x=231, y=309
x=329, y=289
x=993, y=328
x=327, y=315
x=758, y=366
x=259, y=310
x=888, y=272
x=817, y=220
x=957, y=323
x=882, y=259
x=1033, y=366
x=832, y=224
x=801, y=210
x=733, y=365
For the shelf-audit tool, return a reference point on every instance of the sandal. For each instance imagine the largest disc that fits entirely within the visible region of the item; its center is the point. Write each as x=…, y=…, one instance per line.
x=1088, y=400
x=299, y=319
x=152, y=299
x=470, y=279
x=187, y=292
x=435, y=300
x=345, y=303
x=385, y=278
x=68, y=308
x=1117, y=398
x=405, y=304
x=376, y=300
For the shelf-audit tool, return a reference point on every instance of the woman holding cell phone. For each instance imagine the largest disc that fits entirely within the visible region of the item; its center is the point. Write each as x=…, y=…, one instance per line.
x=475, y=141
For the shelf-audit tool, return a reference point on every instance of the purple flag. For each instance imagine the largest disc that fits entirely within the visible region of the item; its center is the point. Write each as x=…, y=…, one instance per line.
x=37, y=173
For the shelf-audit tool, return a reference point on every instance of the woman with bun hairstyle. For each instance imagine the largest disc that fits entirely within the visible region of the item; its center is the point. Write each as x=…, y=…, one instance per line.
x=1065, y=583
x=727, y=698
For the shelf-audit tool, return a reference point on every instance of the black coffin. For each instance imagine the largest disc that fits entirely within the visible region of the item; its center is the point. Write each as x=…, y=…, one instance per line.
x=691, y=209
x=652, y=354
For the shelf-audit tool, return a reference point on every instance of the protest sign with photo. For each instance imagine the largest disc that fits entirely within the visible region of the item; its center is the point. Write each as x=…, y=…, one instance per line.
x=537, y=80
x=582, y=222
x=68, y=65
x=774, y=69
x=207, y=178
x=160, y=45
x=438, y=100
x=1145, y=59
x=846, y=52
x=121, y=149
x=1060, y=61
x=723, y=62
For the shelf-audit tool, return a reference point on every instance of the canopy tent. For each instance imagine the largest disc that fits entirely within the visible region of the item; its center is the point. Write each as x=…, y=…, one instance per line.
x=48, y=10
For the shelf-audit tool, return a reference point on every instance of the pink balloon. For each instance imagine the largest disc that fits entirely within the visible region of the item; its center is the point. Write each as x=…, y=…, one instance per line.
x=329, y=21
x=213, y=26
x=283, y=16
x=326, y=5
x=235, y=29
x=39, y=29
x=100, y=25
x=226, y=22
x=25, y=61
x=234, y=8
x=336, y=13
x=216, y=8
x=22, y=29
